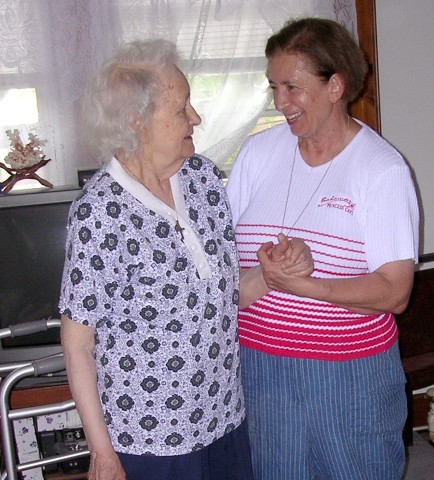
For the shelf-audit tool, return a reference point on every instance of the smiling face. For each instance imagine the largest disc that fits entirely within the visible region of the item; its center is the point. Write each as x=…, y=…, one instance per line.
x=305, y=99
x=167, y=138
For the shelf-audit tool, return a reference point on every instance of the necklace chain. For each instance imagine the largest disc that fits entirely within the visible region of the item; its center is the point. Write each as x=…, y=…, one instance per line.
x=178, y=229
x=319, y=183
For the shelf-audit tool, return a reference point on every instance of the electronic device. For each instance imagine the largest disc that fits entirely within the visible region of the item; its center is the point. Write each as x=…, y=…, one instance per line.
x=73, y=440
x=60, y=442
x=33, y=230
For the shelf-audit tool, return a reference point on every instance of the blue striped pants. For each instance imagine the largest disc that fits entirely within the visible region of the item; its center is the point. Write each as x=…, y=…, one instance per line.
x=311, y=419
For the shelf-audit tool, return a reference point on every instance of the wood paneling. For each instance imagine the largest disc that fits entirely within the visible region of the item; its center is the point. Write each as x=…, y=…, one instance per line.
x=35, y=397
x=367, y=107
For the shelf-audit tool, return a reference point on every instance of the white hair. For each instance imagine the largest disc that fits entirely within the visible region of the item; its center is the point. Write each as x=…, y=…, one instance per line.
x=124, y=90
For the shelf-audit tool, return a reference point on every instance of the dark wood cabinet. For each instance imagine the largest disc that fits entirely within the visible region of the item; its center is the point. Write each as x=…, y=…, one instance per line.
x=36, y=396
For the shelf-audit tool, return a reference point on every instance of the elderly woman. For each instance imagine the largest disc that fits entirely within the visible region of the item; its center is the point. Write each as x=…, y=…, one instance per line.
x=151, y=285
x=324, y=386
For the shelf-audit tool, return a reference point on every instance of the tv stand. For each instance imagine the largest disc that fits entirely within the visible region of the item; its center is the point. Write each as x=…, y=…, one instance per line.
x=36, y=396
x=65, y=476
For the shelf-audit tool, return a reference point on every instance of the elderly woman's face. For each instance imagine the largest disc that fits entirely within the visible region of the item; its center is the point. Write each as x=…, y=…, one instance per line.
x=299, y=94
x=169, y=132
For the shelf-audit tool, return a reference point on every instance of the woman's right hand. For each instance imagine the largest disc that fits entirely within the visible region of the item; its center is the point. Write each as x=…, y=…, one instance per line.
x=293, y=255
x=105, y=466
x=284, y=264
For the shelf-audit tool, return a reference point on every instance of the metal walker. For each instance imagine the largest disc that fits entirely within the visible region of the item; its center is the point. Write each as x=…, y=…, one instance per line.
x=14, y=373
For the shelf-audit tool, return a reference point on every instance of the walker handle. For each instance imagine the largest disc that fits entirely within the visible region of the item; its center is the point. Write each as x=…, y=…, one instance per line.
x=27, y=328
x=48, y=365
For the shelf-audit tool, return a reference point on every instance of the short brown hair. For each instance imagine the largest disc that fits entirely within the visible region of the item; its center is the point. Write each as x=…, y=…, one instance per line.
x=327, y=46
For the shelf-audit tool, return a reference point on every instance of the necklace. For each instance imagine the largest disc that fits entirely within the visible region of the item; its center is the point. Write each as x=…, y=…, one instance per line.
x=341, y=146
x=178, y=229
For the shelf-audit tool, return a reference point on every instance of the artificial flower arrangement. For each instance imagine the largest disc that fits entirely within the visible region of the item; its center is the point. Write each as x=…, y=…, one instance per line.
x=23, y=160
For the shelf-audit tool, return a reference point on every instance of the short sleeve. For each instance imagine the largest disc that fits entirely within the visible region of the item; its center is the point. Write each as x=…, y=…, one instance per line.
x=81, y=292
x=392, y=218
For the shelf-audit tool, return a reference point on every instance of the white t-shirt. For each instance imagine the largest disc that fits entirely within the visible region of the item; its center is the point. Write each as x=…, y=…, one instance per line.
x=356, y=214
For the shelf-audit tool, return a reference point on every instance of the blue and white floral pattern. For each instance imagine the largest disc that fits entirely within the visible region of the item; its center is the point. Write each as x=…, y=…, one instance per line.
x=167, y=351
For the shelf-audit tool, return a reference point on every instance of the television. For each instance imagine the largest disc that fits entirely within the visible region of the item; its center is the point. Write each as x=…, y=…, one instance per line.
x=32, y=247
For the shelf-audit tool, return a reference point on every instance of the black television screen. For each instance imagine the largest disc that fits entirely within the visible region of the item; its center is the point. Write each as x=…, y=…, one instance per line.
x=32, y=242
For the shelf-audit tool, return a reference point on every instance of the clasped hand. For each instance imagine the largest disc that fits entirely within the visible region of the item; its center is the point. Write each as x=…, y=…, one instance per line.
x=285, y=262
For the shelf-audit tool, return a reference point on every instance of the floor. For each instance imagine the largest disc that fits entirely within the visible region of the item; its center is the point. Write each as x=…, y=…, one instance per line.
x=420, y=463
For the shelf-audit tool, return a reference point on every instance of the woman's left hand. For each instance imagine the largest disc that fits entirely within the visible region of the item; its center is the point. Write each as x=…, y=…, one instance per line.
x=106, y=466
x=285, y=262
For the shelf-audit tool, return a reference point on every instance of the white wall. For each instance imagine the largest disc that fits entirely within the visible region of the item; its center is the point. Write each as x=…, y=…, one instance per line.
x=405, y=35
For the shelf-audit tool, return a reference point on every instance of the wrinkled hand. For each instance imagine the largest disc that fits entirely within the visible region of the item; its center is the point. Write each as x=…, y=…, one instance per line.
x=284, y=262
x=277, y=252
x=294, y=255
x=105, y=467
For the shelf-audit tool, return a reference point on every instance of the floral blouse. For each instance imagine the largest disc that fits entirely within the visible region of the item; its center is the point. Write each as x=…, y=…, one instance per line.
x=167, y=353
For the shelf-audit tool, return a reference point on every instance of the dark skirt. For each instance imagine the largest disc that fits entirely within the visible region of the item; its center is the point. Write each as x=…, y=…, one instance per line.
x=228, y=458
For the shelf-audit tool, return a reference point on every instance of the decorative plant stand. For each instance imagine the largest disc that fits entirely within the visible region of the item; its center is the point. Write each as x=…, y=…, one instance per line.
x=25, y=173
x=23, y=160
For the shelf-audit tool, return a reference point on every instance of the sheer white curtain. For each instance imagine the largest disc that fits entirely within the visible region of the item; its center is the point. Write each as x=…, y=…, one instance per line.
x=54, y=45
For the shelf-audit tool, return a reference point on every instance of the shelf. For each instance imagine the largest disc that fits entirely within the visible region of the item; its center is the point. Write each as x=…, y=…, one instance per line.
x=65, y=476
x=37, y=396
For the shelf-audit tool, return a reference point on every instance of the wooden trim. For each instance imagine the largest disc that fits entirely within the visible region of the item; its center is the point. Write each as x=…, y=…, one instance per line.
x=37, y=396
x=367, y=107
x=426, y=257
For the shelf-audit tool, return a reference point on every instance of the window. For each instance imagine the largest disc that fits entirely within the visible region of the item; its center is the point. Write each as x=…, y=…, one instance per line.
x=269, y=118
x=51, y=48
